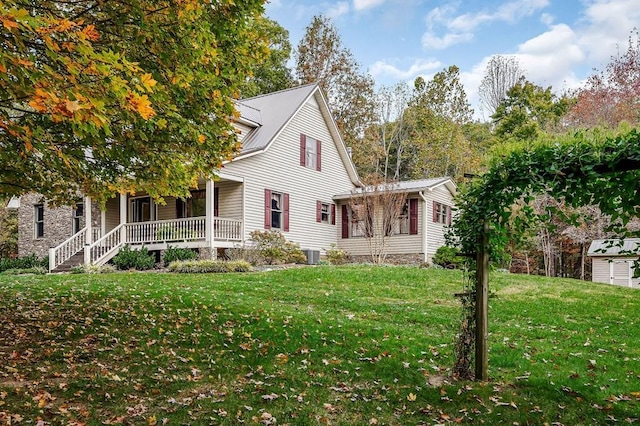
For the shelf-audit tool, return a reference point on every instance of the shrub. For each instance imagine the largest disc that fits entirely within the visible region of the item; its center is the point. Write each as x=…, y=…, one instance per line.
x=93, y=269
x=172, y=254
x=208, y=266
x=336, y=256
x=447, y=257
x=246, y=253
x=36, y=270
x=140, y=260
x=274, y=248
x=25, y=262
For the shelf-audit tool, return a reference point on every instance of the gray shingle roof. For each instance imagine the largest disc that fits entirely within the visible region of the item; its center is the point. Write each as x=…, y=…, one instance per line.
x=274, y=111
x=408, y=186
x=612, y=247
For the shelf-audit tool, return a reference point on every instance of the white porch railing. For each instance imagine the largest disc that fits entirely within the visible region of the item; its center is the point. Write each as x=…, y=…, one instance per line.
x=227, y=229
x=141, y=233
x=188, y=229
x=71, y=246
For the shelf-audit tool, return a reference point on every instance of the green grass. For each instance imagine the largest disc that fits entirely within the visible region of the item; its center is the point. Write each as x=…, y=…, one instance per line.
x=324, y=345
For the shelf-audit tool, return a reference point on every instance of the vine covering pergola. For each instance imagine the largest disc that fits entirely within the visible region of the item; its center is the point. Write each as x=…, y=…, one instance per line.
x=580, y=172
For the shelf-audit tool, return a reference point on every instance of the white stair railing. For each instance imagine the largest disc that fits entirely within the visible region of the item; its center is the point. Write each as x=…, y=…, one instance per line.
x=69, y=247
x=106, y=246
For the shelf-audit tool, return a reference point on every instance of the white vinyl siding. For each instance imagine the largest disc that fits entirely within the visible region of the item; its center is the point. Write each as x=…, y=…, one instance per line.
x=168, y=210
x=242, y=129
x=406, y=243
x=600, y=270
x=398, y=244
x=436, y=231
x=614, y=270
x=112, y=215
x=278, y=169
x=230, y=199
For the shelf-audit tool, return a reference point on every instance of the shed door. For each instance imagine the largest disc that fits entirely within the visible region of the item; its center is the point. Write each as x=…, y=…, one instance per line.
x=621, y=273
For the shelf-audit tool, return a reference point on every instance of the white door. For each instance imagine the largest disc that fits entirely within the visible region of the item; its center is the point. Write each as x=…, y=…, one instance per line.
x=621, y=273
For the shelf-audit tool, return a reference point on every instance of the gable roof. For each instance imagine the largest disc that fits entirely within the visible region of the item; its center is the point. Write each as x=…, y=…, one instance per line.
x=612, y=247
x=276, y=110
x=408, y=186
x=13, y=203
x=269, y=114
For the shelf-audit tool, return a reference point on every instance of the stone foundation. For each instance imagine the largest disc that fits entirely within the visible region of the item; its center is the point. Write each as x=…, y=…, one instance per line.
x=394, y=259
x=58, y=225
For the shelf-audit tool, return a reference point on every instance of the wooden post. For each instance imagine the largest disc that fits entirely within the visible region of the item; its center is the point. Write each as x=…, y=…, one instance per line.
x=482, y=304
x=209, y=218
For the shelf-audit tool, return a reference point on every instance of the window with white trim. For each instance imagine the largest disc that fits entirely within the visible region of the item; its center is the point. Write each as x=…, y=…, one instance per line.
x=78, y=213
x=441, y=213
x=403, y=220
x=310, y=152
x=276, y=210
x=325, y=213
x=358, y=220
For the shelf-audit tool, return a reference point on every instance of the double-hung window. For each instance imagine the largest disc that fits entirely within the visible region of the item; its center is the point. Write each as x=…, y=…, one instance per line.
x=310, y=153
x=276, y=210
x=403, y=219
x=38, y=216
x=325, y=213
x=78, y=213
x=407, y=222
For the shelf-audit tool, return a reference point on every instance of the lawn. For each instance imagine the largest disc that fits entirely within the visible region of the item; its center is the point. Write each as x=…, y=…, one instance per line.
x=315, y=345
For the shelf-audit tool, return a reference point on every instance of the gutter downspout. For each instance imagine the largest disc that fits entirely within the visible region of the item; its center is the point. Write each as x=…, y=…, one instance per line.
x=424, y=226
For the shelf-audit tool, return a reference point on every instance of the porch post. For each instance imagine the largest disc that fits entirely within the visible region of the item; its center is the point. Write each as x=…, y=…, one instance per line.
x=425, y=222
x=209, y=218
x=87, y=220
x=123, y=217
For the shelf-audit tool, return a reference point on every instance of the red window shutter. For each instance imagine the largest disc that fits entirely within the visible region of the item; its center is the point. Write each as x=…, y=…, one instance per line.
x=448, y=215
x=318, y=155
x=345, y=221
x=413, y=216
x=435, y=211
x=318, y=211
x=267, y=209
x=285, y=211
x=333, y=214
x=303, y=150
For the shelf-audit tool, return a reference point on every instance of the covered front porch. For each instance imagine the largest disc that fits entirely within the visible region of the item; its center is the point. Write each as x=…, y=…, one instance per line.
x=212, y=218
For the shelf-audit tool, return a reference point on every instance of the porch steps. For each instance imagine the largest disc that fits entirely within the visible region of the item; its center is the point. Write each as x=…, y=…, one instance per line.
x=78, y=260
x=75, y=260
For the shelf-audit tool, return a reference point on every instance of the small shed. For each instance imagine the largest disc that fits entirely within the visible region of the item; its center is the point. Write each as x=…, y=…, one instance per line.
x=613, y=261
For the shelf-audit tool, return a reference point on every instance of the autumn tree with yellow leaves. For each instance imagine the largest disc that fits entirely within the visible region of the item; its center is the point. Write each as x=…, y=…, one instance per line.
x=101, y=97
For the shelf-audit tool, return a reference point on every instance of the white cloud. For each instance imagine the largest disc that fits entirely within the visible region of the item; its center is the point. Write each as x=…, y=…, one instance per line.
x=547, y=19
x=514, y=11
x=550, y=57
x=459, y=29
x=366, y=4
x=381, y=68
x=432, y=41
x=607, y=25
x=339, y=9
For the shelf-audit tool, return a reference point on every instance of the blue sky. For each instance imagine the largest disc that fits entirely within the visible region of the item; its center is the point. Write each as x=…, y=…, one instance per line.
x=557, y=42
